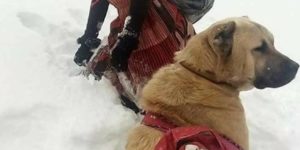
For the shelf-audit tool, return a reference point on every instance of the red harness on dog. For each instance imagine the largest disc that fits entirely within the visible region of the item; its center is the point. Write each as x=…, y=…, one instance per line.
x=187, y=138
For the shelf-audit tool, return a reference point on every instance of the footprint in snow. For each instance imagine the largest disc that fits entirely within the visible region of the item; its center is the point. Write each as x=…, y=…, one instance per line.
x=60, y=39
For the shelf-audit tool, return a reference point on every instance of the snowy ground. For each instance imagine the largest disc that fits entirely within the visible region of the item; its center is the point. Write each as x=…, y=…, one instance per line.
x=43, y=106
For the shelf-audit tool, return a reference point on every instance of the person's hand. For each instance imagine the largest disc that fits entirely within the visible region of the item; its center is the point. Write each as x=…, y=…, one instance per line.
x=84, y=52
x=122, y=50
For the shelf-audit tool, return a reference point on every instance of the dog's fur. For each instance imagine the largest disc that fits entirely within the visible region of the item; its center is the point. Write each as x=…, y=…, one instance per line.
x=202, y=86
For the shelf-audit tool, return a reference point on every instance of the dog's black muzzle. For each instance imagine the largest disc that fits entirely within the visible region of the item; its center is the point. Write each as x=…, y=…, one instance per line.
x=277, y=72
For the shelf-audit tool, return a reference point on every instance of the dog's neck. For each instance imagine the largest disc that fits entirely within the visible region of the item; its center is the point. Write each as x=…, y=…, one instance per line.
x=206, y=75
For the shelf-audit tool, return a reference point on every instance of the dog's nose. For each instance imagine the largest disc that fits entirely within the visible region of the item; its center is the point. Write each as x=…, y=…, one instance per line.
x=289, y=68
x=294, y=66
x=297, y=66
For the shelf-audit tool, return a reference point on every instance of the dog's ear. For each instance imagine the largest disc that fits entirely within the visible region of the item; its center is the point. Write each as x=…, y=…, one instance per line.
x=223, y=39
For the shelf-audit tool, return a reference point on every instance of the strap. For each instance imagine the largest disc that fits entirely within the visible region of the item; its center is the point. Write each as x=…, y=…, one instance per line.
x=157, y=121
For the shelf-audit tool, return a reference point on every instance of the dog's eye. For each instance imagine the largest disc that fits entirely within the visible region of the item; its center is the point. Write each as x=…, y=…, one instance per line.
x=262, y=48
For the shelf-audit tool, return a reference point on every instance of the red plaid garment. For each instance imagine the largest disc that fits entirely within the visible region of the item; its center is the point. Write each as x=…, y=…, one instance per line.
x=157, y=44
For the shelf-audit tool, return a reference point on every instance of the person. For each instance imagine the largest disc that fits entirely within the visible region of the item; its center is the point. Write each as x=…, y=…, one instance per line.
x=143, y=37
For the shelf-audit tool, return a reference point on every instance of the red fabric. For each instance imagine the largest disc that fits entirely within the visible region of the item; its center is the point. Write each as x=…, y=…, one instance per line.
x=143, y=63
x=177, y=138
x=156, y=48
x=158, y=122
x=154, y=29
x=157, y=44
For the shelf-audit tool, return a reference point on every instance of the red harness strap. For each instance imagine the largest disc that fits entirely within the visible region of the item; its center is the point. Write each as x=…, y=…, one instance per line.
x=187, y=138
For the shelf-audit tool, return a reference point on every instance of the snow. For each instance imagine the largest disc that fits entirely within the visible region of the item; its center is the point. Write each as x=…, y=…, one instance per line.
x=45, y=106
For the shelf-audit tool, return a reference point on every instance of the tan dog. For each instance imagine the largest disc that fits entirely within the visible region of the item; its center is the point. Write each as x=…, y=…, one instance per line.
x=202, y=86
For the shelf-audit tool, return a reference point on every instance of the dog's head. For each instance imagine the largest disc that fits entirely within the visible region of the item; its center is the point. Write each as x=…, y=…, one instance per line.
x=239, y=52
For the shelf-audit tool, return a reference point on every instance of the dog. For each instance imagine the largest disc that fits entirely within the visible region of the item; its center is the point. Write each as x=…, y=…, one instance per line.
x=202, y=86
